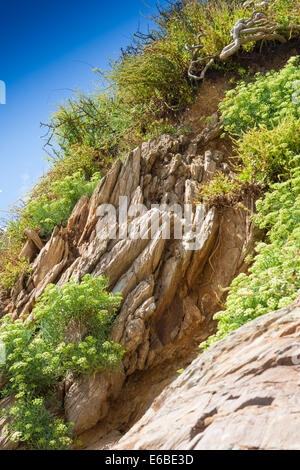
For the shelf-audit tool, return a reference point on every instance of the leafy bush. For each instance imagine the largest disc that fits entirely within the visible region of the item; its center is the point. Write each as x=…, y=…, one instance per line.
x=266, y=119
x=69, y=335
x=264, y=156
x=78, y=159
x=32, y=424
x=82, y=314
x=43, y=211
x=54, y=208
x=266, y=101
x=286, y=12
x=267, y=122
x=268, y=155
x=274, y=279
x=12, y=267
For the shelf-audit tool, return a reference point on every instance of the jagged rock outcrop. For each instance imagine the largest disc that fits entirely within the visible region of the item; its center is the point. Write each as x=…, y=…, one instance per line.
x=241, y=394
x=170, y=284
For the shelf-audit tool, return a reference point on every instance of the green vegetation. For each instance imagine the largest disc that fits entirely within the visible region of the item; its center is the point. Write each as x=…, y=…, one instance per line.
x=266, y=101
x=221, y=190
x=33, y=425
x=269, y=155
x=149, y=83
x=274, y=279
x=69, y=334
x=48, y=210
x=146, y=88
x=41, y=213
x=11, y=268
x=264, y=119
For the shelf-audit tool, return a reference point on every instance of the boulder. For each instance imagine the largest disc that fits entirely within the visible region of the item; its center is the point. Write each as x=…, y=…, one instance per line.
x=241, y=394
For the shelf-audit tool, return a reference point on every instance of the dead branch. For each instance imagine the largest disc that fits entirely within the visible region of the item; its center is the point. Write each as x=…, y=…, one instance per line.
x=196, y=61
x=258, y=27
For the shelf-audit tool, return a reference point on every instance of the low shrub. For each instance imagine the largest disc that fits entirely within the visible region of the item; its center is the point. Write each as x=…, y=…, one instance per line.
x=266, y=101
x=266, y=120
x=274, y=279
x=221, y=190
x=78, y=159
x=70, y=334
x=268, y=155
x=82, y=314
x=54, y=208
x=33, y=425
x=12, y=267
x=43, y=211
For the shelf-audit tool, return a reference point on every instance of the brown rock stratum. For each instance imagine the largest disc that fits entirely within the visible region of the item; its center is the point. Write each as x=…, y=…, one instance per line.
x=241, y=394
x=170, y=292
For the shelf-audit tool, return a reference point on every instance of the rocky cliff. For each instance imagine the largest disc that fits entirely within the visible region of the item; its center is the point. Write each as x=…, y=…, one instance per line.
x=169, y=226
x=171, y=286
x=242, y=394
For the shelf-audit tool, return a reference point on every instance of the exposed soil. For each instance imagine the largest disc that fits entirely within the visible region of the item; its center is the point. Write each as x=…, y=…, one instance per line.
x=213, y=88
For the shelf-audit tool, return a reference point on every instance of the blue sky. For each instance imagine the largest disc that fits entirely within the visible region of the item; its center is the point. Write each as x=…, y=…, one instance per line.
x=48, y=48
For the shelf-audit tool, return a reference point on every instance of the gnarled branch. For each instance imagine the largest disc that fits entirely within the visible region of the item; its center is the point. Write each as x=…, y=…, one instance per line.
x=258, y=27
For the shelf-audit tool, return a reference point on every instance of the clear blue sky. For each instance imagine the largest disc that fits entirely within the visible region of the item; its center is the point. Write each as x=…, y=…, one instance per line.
x=47, y=48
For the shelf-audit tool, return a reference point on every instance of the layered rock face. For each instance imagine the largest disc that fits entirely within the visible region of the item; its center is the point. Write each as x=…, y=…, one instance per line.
x=170, y=284
x=242, y=394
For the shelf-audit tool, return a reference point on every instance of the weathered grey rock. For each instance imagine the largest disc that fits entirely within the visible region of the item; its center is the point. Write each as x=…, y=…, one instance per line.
x=217, y=156
x=210, y=165
x=134, y=300
x=50, y=256
x=100, y=196
x=197, y=170
x=107, y=442
x=243, y=393
x=78, y=218
x=129, y=177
